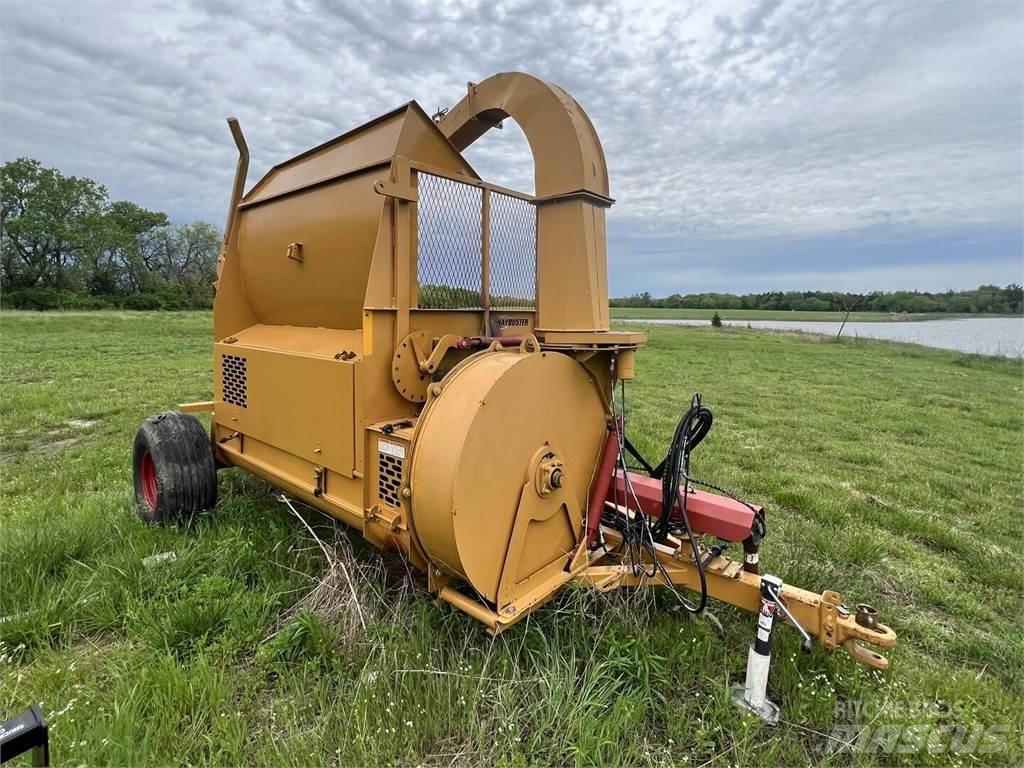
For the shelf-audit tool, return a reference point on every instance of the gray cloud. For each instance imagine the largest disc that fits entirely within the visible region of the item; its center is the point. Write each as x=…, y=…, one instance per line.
x=732, y=130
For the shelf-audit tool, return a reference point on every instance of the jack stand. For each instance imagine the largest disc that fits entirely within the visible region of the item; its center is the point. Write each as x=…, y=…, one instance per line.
x=752, y=697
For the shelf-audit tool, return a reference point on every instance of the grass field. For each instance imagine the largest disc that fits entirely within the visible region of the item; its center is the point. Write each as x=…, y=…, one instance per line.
x=891, y=473
x=626, y=313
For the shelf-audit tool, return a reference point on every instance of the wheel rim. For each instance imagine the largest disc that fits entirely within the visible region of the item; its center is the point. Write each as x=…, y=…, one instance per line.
x=147, y=478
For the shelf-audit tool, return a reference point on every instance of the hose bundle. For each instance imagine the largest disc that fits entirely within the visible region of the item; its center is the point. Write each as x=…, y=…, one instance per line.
x=691, y=430
x=639, y=533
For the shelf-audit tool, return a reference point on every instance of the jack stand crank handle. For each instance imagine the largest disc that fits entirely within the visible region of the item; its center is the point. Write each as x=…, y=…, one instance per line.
x=805, y=646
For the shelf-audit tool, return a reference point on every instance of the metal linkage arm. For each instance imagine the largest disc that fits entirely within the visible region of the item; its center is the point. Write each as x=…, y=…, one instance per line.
x=821, y=616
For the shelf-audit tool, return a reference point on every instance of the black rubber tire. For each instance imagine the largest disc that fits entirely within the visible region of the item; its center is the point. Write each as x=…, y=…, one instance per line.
x=173, y=468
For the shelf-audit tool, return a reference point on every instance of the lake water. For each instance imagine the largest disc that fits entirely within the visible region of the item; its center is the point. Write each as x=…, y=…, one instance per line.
x=1003, y=336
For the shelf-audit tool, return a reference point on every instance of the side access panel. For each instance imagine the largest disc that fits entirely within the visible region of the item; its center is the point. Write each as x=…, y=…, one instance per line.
x=297, y=403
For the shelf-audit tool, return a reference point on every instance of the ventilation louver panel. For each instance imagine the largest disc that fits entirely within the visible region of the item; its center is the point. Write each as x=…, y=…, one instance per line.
x=233, y=380
x=389, y=480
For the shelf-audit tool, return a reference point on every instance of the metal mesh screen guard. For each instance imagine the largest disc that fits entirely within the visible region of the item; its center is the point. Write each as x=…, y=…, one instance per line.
x=450, y=247
x=513, y=283
x=450, y=227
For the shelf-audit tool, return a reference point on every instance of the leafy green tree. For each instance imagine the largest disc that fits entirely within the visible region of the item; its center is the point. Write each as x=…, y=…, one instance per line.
x=120, y=262
x=64, y=244
x=990, y=299
x=47, y=222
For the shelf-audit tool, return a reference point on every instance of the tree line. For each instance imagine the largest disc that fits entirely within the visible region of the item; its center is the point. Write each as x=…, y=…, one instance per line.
x=65, y=245
x=986, y=299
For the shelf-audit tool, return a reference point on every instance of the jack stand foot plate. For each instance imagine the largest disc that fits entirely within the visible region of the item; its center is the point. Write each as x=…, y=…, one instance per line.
x=768, y=711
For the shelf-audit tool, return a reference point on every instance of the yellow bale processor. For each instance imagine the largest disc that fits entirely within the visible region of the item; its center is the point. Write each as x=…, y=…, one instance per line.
x=427, y=357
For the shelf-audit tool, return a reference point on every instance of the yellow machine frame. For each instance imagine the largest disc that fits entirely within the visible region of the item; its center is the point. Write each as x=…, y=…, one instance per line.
x=334, y=383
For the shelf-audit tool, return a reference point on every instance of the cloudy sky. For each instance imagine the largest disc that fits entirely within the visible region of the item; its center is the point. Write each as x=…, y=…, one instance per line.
x=751, y=146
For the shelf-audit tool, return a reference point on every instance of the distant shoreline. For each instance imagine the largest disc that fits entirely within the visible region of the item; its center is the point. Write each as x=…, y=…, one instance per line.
x=628, y=313
x=659, y=313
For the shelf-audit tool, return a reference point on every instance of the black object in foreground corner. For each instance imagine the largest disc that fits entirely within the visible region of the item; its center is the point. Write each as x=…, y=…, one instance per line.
x=27, y=731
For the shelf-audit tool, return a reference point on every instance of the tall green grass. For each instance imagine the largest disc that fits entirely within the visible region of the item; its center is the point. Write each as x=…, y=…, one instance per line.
x=892, y=473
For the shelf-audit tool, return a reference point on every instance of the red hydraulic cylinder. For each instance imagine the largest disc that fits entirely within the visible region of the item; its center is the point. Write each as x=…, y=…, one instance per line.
x=600, y=487
x=709, y=513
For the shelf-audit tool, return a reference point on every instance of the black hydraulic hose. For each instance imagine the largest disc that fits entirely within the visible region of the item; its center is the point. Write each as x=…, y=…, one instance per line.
x=696, y=554
x=675, y=487
x=691, y=430
x=641, y=533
